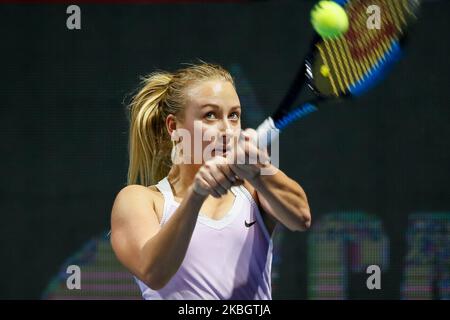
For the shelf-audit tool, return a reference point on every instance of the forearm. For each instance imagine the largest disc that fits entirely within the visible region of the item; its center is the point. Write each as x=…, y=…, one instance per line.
x=163, y=254
x=285, y=197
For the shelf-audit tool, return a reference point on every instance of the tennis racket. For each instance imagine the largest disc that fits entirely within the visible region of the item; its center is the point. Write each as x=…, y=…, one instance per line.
x=346, y=66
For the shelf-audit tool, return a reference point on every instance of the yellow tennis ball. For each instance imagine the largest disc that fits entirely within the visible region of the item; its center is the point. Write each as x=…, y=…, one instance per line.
x=329, y=19
x=325, y=71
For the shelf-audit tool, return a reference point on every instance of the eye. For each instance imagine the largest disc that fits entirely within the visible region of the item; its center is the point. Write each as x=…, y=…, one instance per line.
x=235, y=115
x=210, y=115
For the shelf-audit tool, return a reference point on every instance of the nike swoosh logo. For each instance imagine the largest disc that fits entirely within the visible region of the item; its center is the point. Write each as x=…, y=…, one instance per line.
x=248, y=225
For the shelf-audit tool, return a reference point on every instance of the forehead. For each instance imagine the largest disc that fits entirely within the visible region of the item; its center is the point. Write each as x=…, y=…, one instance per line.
x=218, y=92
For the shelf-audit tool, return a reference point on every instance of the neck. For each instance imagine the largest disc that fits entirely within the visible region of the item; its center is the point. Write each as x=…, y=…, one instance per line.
x=181, y=178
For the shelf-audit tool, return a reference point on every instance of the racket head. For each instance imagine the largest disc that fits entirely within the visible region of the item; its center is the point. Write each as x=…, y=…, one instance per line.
x=353, y=63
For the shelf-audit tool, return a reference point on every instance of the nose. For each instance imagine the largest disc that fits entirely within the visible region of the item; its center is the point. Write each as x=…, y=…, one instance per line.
x=225, y=131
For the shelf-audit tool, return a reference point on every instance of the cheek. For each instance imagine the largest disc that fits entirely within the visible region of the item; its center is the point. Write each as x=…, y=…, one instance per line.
x=201, y=132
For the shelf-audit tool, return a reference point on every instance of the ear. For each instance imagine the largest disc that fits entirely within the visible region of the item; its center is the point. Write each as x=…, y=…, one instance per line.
x=171, y=124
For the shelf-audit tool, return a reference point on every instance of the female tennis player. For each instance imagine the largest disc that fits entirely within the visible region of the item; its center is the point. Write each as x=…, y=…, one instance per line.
x=204, y=230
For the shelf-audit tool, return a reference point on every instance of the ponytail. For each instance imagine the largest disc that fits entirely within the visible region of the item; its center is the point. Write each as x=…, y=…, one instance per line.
x=149, y=142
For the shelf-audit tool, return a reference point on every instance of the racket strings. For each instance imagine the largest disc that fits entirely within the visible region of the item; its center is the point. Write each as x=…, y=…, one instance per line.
x=352, y=59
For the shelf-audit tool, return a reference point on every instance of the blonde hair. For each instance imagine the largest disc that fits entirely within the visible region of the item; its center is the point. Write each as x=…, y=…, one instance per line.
x=161, y=93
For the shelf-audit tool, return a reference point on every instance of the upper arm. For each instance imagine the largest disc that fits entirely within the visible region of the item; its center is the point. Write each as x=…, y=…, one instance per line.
x=133, y=223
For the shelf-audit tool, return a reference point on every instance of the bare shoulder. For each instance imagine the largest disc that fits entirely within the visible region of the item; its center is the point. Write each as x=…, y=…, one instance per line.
x=137, y=190
x=133, y=222
x=135, y=198
x=130, y=195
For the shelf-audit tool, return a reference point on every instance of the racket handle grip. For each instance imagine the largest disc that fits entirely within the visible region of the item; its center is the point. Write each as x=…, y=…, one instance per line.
x=267, y=132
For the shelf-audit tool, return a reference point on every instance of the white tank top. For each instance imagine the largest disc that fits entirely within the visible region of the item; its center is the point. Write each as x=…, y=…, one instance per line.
x=230, y=258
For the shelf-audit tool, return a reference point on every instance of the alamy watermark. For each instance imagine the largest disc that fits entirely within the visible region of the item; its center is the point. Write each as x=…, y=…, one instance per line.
x=374, y=19
x=74, y=279
x=73, y=21
x=374, y=280
x=237, y=147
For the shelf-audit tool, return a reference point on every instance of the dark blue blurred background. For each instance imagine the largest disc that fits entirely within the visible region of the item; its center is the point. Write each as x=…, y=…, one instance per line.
x=376, y=170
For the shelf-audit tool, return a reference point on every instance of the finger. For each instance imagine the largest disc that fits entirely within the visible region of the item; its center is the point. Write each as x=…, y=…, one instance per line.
x=201, y=187
x=225, y=169
x=212, y=184
x=214, y=169
x=251, y=153
x=237, y=170
x=221, y=179
x=239, y=182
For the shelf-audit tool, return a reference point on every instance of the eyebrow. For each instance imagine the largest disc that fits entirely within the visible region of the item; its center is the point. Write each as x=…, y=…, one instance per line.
x=215, y=106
